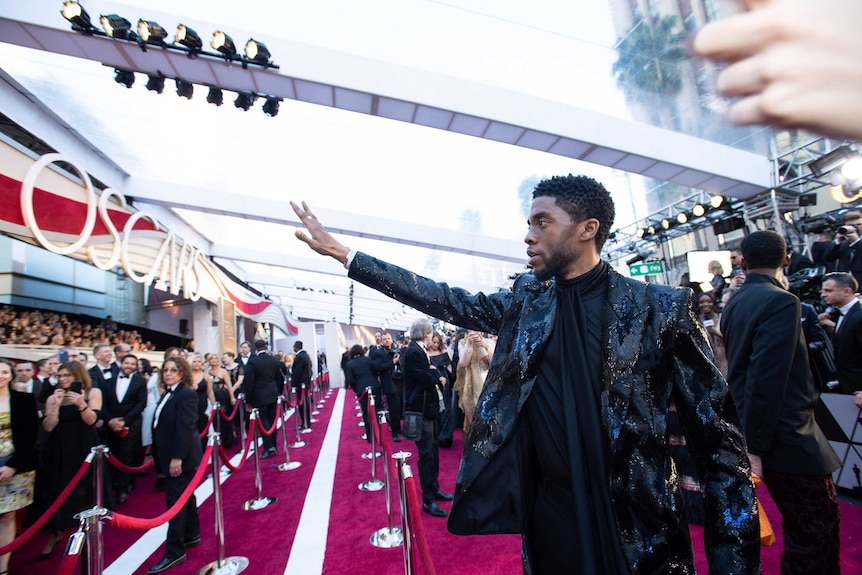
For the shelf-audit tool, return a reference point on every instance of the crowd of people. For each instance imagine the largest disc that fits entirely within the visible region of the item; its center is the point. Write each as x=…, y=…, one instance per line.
x=36, y=327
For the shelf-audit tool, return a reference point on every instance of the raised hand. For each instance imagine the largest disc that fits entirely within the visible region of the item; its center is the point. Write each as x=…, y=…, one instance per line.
x=320, y=240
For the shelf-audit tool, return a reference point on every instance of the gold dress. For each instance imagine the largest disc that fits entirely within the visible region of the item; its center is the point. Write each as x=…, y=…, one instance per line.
x=17, y=492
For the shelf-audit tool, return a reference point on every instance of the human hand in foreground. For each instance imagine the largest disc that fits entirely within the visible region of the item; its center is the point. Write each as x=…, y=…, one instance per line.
x=793, y=63
x=320, y=241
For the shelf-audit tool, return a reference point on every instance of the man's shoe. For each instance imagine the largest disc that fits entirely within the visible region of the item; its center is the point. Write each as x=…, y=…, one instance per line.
x=166, y=563
x=192, y=542
x=396, y=437
x=268, y=453
x=443, y=496
x=122, y=497
x=434, y=509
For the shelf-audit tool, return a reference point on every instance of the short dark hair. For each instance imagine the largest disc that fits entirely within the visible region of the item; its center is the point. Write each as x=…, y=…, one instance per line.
x=259, y=344
x=297, y=345
x=843, y=279
x=764, y=249
x=582, y=198
x=356, y=351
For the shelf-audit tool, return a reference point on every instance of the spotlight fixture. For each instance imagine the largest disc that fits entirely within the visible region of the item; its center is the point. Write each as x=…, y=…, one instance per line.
x=215, y=96
x=852, y=169
x=270, y=107
x=156, y=83
x=256, y=52
x=124, y=77
x=116, y=26
x=151, y=33
x=682, y=218
x=75, y=13
x=717, y=201
x=828, y=162
x=640, y=232
x=244, y=100
x=651, y=230
x=185, y=89
x=698, y=210
x=223, y=44
x=665, y=224
x=188, y=38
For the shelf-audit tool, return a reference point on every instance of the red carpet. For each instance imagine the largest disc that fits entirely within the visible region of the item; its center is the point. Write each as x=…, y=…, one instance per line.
x=265, y=537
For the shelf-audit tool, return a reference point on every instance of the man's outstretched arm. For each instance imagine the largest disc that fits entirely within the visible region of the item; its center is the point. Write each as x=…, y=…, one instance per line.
x=320, y=241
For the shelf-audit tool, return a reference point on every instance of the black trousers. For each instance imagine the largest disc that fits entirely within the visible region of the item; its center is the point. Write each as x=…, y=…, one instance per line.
x=393, y=403
x=185, y=524
x=127, y=451
x=267, y=416
x=429, y=460
x=378, y=405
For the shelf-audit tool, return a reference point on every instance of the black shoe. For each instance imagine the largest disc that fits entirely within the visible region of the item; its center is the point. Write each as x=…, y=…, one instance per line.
x=192, y=541
x=269, y=453
x=166, y=563
x=434, y=509
x=122, y=497
x=396, y=437
x=443, y=496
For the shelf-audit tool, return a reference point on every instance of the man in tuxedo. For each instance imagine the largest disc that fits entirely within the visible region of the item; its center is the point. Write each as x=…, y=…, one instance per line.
x=839, y=291
x=263, y=378
x=123, y=401
x=105, y=369
x=847, y=248
x=244, y=352
x=301, y=382
x=385, y=358
x=177, y=448
x=775, y=394
x=26, y=382
x=121, y=350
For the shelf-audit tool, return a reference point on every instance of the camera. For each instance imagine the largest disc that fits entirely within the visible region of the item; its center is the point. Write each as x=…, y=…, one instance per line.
x=847, y=230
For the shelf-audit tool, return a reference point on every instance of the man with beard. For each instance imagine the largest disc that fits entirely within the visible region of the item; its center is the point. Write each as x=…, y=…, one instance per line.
x=569, y=440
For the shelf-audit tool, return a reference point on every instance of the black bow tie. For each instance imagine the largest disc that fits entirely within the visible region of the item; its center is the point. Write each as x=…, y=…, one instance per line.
x=106, y=370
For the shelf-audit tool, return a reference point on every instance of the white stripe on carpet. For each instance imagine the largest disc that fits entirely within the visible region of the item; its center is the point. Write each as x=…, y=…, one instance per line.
x=309, y=545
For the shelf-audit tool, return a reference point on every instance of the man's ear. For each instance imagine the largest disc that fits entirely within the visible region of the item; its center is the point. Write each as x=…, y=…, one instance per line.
x=590, y=229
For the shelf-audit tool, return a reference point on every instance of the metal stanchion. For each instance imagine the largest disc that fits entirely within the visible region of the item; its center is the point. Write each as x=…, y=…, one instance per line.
x=372, y=484
x=404, y=472
x=95, y=553
x=390, y=536
x=222, y=565
x=223, y=471
x=91, y=523
x=315, y=398
x=261, y=501
x=288, y=464
x=306, y=412
x=299, y=442
x=241, y=410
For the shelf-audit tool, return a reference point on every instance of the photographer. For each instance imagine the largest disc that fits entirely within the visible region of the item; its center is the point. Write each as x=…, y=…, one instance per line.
x=847, y=249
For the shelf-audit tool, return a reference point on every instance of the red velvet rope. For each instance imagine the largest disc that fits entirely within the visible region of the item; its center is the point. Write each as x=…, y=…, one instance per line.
x=417, y=529
x=67, y=566
x=287, y=402
x=300, y=395
x=206, y=430
x=226, y=458
x=116, y=463
x=126, y=522
x=271, y=430
x=375, y=428
x=232, y=413
x=8, y=548
x=362, y=396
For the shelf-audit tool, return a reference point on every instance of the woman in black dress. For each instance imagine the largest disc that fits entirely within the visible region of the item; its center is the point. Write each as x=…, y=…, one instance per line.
x=223, y=393
x=202, y=384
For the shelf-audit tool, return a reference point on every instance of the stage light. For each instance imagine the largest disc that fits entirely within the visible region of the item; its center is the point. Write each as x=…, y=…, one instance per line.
x=188, y=38
x=244, y=101
x=698, y=210
x=115, y=26
x=151, y=33
x=215, y=96
x=716, y=201
x=223, y=44
x=682, y=218
x=156, y=84
x=640, y=232
x=185, y=89
x=828, y=162
x=651, y=230
x=75, y=13
x=124, y=77
x=270, y=107
x=256, y=52
x=665, y=224
x=852, y=169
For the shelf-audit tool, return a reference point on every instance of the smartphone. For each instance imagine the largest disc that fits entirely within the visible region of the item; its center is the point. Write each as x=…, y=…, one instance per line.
x=708, y=323
x=64, y=357
x=76, y=386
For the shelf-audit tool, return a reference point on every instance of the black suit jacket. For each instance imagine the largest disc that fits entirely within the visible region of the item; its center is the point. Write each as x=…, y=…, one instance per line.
x=263, y=379
x=132, y=405
x=25, y=430
x=770, y=380
x=847, y=344
x=301, y=373
x=176, y=433
x=420, y=382
x=98, y=378
x=382, y=358
x=361, y=373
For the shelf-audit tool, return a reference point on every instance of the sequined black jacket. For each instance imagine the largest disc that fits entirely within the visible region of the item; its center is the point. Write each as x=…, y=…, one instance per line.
x=654, y=352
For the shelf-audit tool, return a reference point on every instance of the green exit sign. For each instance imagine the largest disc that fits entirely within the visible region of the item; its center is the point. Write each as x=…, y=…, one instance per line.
x=646, y=269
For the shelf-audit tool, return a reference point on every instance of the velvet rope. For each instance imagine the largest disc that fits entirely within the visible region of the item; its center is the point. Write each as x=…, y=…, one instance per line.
x=126, y=522
x=300, y=395
x=117, y=464
x=375, y=428
x=67, y=566
x=287, y=402
x=271, y=430
x=417, y=529
x=362, y=396
x=232, y=413
x=9, y=547
x=225, y=458
x=206, y=430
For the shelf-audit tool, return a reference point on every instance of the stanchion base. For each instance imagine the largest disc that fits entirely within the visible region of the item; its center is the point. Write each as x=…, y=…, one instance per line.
x=306, y=430
x=312, y=420
x=360, y=424
x=359, y=414
x=256, y=504
x=289, y=466
x=372, y=485
x=367, y=455
x=387, y=539
x=297, y=444
x=315, y=412
x=230, y=566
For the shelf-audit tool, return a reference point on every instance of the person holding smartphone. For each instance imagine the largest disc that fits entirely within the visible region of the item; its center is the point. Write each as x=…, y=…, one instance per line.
x=71, y=413
x=709, y=319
